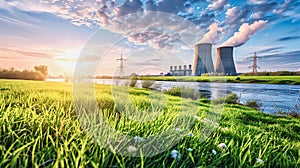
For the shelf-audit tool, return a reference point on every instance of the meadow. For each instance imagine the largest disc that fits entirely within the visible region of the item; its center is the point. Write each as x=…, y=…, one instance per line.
x=40, y=128
x=294, y=80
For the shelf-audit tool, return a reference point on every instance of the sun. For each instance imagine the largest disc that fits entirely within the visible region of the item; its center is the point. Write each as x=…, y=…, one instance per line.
x=68, y=60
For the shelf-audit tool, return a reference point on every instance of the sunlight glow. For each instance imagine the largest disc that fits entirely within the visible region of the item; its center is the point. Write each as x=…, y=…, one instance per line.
x=68, y=60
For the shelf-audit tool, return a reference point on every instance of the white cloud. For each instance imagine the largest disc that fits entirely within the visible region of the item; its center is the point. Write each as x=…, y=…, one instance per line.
x=244, y=33
x=292, y=14
x=25, y=5
x=17, y=22
x=283, y=7
x=234, y=15
x=258, y=1
x=256, y=16
x=214, y=33
x=159, y=30
x=107, y=14
x=218, y=5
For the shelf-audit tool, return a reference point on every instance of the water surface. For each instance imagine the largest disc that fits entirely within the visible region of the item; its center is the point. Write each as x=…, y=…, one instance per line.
x=273, y=97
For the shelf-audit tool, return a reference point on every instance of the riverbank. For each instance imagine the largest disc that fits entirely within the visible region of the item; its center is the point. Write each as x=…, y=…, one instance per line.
x=292, y=80
x=41, y=128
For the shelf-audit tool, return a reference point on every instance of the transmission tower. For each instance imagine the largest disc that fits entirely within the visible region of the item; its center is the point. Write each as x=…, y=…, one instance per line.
x=121, y=66
x=254, y=66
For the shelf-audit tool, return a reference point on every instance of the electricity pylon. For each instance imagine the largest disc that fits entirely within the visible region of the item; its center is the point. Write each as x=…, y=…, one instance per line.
x=254, y=66
x=121, y=66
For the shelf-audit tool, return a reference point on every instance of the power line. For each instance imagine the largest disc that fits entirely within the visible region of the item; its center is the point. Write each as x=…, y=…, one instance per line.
x=254, y=66
x=121, y=66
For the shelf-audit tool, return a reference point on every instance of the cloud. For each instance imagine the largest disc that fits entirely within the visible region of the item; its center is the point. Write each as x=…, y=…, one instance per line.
x=288, y=38
x=203, y=20
x=105, y=13
x=214, y=34
x=129, y=6
x=14, y=51
x=294, y=15
x=218, y=5
x=4, y=5
x=17, y=23
x=258, y=1
x=287, y=60
x=84, y=58
x=283, y=7
x=266, y=50
x=173, y=6
x=235, y=16
x=24, y=5
x=289, y=56
x=244, y=33
x=157, y=29
x=160, y=30
x=260, y=11
x=274, y=62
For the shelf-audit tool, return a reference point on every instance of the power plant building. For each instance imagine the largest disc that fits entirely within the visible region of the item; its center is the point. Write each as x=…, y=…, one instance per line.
x=225, y=63
x=181, y=71
x=203, y=63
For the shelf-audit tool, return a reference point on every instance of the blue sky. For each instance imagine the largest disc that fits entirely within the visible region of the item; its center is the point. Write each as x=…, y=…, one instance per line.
x=55, y=32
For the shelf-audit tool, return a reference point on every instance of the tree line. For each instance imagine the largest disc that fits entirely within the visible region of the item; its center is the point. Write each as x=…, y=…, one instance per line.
x=39, y=73
x=278, y=73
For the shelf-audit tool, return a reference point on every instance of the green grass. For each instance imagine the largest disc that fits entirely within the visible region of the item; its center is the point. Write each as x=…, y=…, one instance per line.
x=39, y=128
x=294, y=80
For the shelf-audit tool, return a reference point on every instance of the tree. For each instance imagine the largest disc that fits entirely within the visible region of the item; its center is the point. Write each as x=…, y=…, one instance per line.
x=42, y=68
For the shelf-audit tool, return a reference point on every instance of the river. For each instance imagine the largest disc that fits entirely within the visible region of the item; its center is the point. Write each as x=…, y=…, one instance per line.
x=272, y=97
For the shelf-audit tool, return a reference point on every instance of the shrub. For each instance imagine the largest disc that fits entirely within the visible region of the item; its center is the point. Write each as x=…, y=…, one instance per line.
x=174, y=91
x=253, y=104
x=294, y=114
x=229, y=99
x=133, y=80
x=147, y=83
x=218, y=101
x=185, y=92
x=232, y=98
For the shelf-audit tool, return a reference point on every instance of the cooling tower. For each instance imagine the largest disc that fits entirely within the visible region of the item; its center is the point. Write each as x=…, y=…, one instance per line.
x=203, y=59
x=225, y=63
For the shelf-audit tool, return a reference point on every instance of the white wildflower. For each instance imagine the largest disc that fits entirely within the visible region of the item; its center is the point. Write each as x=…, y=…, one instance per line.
x=225, y=129
x=190, y=134
x=214, y=152
x=138, y=139
x=178, y=129
x=222, y=145
x=197, y=117
x=132, y=149
x=258, y=160
x=175, y=154
x=190, y=149
x=206, y=120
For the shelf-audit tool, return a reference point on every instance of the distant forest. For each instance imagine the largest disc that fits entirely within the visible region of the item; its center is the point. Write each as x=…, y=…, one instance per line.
x=39, y=73
x=278, y=73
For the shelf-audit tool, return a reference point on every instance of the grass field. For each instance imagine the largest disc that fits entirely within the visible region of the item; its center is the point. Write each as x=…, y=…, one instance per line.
x=294, y=80
x=40, y=128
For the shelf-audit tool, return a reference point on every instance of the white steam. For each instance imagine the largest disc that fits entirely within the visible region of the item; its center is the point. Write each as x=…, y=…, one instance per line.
x=245, y=32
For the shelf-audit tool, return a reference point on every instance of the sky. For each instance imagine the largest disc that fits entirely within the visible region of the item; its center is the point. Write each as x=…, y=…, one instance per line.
x=152, y=35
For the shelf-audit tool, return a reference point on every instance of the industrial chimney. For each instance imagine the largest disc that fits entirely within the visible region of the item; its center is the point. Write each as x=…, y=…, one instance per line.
x=203, y=59
x=225, y=63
